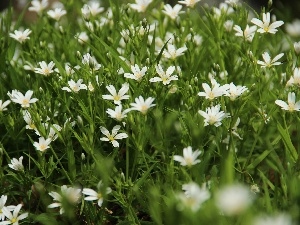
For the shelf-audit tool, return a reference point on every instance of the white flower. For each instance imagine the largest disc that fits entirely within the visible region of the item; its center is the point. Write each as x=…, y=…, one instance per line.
x=216, y=90
x=142, y=105
x=92, y=9
x=13, y=218
x=172, y=53
x=189, y=157
x=293, y=28
x=117, y=97
x=91, y=62
x=292, y=105
x=75, y=86
x=279, y=219
x=113, y=136
x=233, y=199
x=16, y=164
x=43, y=144
x=82, y=37
x=57, y=13
x=21, y=36
x=51, y=131
x=213, y=115
x=38, y=6
x=223, y=9
x=117, y=113
x=3, y=200
x=248, y=33
x=24, y=101
x=235, y=91
x=137, y=73
x=267, y=60
x=295, y=79
x=70, y=194
x=3, y=105
x=233, y=3
x=235, y=127
x=96, y=195
x=265, y=26
x=141, y=5
x=172, y=12
x=45, y=69
x=189, y=3
x=228, y=24
x=165, y=77
x=193, y=196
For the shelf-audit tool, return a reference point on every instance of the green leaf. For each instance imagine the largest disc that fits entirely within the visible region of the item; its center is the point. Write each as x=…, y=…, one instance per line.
x=287, y=142
x=259, y=159
x=46, y=219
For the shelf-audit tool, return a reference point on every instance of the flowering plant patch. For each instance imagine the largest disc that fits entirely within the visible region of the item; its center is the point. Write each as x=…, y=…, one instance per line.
x=144, y=112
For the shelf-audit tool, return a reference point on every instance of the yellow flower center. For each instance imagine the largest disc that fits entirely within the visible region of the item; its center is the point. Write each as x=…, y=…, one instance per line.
x=144, y=109
x=25, y=101
x=43, y=147
x=117, y=97
x=111, y=138
x=99, y=195
x=13, y=220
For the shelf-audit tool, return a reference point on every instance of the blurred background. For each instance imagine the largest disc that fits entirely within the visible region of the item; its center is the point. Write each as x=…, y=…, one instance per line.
x=284, y=9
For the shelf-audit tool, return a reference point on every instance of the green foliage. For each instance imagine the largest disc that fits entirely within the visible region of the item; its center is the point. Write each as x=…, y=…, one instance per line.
x=256, y=143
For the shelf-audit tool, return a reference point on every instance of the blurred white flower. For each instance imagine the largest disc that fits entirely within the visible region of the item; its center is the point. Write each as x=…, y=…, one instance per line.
x=43, y=144
x=189, y=157
x=172, y=53
x=46, y=69
x=140, y=5
x=295, y=79
x=279, y=219
x=233, y=92
x=292, y=105
x=96, y=195
x=213, y=115
x=137, y=73
x=189, y=3
x=233, y=199
x=69, y=194
x=23, y=100
x=38, y=6
x=16, y=164
x=91, y=9
x=56, y=13
x=142, y=105
x=21, y=36
x=293, y=28
x=117, y=97
x=3, y=105
x=216, y=90
x=265, y=26
x=247, y=34
x=193, y=196
x=113, y=136
x=117, y=113
x=164, y=77
x=172, y=12
x=82, y=37
x=75, y=86
x=13, y=218
x=91, y=62
x=267, y=60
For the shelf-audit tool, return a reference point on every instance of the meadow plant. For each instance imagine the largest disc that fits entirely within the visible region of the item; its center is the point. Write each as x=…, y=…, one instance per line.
x=142, y=112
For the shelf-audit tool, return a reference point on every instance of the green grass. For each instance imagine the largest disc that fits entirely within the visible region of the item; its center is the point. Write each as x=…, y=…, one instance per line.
x=261, y=153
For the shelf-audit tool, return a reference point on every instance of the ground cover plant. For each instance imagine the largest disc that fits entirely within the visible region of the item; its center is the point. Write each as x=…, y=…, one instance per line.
x=147, y=113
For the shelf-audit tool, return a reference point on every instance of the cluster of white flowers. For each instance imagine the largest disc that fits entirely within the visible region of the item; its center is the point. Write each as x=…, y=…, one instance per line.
x=10, y=214
x=73, y=195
